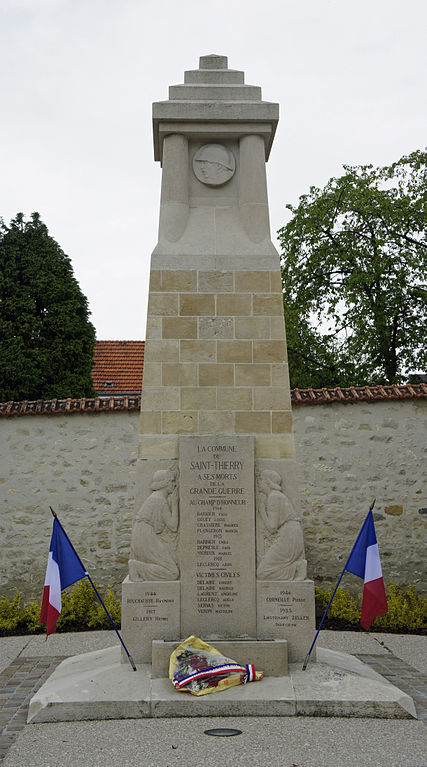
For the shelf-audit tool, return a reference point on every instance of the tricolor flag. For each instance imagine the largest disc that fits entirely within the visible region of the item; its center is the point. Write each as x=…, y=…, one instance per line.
x=364, y=561
x=64, y=568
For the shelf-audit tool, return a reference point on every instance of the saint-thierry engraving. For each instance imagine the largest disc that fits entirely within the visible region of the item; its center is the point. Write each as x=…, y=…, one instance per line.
x=214, y=164
x=283, y=559
x=155, y=532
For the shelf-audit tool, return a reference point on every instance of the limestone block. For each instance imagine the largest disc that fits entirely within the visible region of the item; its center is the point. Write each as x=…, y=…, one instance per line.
x=252, y=281
x=179, y=327
x=251, y=423
x=150, y=610
x=234, y=305
x=153, y=374
x=155, y=281
x=165, y=304
x=272, y=398
x=235, y=398
x=277, y=329
x=153, y=327
x=274, y=446
x=253, y=375
x=234, y=351
x=268, y=303
x=281, y=422
x=179, y=423
x=280, y=374
x=214, y=374
x=197, y=351
x=269, y=351
x=202, y=304
x=216, y=327
x=178, y=374
x=276, y=285
x=211, y=421
x=163, y=398
x=161, y=351
x=151, y=423
x=159, y=446
x=252, y=327
x=286, y=610
x=198, y=398
x=216, y=282
x=178, y=281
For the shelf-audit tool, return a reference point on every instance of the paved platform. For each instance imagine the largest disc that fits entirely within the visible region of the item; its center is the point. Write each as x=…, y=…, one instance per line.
x=25, y=663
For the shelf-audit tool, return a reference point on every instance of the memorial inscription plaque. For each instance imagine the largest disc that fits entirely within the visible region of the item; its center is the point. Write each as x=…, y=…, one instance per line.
x=286, y=609
x=149, y=609
x=218, y=536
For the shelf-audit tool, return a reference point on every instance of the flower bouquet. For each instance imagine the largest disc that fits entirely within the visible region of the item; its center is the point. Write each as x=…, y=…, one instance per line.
x=198, y=668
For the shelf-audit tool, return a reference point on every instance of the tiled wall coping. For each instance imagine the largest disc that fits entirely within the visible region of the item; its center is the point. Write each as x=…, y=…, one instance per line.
x=117, y=403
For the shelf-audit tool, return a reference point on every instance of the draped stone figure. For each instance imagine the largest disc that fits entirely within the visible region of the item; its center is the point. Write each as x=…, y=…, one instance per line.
x=154, y=534
x=284, y=558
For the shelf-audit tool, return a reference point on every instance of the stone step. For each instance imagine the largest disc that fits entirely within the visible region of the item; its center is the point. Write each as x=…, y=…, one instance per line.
x=268, y=656
x=215, y=92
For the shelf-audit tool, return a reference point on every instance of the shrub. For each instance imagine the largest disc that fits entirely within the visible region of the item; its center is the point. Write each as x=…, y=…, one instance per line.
x=407, y=611
x=81, y=611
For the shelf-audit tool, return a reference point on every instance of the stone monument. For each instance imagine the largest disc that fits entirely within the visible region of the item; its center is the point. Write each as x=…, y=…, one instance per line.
x=217, y=546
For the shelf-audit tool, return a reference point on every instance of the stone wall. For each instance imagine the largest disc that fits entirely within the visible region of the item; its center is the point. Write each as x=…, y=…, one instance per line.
x=83, y=465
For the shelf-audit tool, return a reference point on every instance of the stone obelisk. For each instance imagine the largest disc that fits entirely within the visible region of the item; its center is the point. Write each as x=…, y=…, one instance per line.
x=217, y=547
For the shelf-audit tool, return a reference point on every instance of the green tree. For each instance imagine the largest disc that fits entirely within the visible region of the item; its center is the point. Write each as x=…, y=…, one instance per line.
x=46, y=339
x=353, y=266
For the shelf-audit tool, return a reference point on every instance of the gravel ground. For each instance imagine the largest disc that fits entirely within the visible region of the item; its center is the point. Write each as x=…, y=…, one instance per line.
x=265, y=742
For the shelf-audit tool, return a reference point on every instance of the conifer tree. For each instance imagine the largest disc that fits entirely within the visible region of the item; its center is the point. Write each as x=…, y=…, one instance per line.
x=46, y=338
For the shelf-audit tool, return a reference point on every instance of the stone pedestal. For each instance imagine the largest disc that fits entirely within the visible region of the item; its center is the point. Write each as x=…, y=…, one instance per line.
x=285, y=610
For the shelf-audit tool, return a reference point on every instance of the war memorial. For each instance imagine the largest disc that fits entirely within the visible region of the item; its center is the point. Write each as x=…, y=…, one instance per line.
x=217, y=547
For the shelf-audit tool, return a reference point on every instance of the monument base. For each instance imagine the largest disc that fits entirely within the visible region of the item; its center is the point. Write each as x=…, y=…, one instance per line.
x=286, y=610
x=150, y=610
x=97, y=685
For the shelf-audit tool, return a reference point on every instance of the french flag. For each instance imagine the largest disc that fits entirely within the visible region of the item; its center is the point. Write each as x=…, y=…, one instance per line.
x=64, y=568
x=364, y=561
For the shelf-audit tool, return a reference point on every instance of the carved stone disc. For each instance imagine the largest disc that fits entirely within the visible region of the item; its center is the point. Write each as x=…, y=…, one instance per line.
x=214, y=164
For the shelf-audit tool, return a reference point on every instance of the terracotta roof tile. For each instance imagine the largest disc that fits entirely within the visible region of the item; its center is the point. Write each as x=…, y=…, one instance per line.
x=116, y=403
x=357, y=394
x=117, y=367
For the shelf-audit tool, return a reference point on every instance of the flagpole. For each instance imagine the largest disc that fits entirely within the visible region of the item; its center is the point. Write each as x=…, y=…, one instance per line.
x=131, y=661
x=307, y=657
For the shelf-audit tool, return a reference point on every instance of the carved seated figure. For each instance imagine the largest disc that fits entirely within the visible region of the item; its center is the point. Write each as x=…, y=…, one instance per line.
x=284, y=559
x=154, y=534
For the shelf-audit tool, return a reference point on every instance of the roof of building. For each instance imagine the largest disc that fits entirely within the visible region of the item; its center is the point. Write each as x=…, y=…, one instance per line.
x=353, y=394
x=117, y=367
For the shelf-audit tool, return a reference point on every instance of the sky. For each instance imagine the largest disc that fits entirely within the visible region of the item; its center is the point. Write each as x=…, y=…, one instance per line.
x=78, y=77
